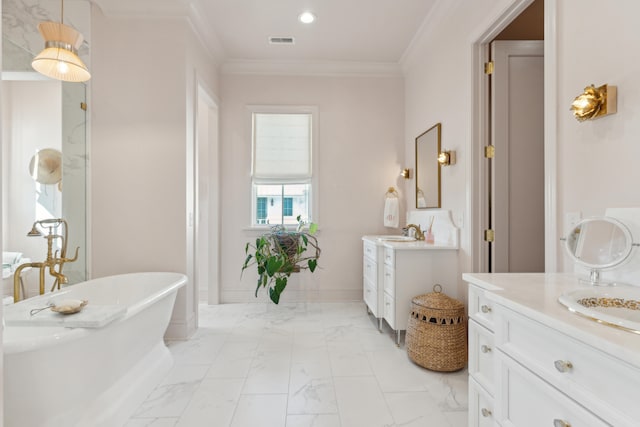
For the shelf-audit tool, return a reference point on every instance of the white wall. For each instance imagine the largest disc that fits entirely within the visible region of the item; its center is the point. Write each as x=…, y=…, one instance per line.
x=360, y=150
x=598, y=160
x=142, y=124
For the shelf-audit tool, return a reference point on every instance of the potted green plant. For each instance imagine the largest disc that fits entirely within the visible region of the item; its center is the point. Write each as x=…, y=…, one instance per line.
x=279, y=253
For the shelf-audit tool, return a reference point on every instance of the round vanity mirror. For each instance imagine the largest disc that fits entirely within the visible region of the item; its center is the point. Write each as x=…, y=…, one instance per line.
x=598, y=244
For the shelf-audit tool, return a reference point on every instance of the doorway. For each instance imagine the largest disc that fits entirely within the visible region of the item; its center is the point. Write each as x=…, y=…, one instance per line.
x=207, y=189
x=515, y=190
x=512, y=204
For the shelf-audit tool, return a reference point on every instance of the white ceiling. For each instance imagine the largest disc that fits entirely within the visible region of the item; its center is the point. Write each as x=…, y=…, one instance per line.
x=348, y=31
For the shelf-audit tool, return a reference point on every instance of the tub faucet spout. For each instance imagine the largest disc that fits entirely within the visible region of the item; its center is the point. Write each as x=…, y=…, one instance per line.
x=59, y=259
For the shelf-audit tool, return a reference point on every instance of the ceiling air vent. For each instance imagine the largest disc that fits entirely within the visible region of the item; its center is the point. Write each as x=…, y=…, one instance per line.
x=281, y=40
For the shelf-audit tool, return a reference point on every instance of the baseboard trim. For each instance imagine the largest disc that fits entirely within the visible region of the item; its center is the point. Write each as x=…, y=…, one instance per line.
x=179, y=329
x=244, y=296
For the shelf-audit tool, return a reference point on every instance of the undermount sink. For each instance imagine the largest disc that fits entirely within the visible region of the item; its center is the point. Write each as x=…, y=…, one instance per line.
x=615, y=305
x=398, y=238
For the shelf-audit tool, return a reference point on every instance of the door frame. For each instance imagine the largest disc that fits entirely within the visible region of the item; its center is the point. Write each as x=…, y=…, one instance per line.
x=478, y=171
x=211, y=259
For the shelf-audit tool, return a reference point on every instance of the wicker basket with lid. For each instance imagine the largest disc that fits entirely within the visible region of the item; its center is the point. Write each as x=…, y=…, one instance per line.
x=437, y=332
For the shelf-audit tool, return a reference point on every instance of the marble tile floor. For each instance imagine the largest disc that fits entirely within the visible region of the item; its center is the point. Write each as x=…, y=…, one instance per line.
x=299, y=365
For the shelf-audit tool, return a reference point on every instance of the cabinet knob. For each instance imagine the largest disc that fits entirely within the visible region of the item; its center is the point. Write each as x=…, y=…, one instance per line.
x=485, y=349
x=485, y=412
x=485, y=309
x=563, y=366
x=560, y=423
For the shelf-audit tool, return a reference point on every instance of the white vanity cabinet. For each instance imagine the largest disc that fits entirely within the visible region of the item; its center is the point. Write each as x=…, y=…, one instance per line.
x=395, y=272
x=481, y=358
x=411, y=270
x=372, y=265
x=534, y=363
x=396, y=269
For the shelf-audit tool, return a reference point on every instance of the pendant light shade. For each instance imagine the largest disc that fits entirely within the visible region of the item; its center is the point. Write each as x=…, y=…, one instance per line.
x=59, y=59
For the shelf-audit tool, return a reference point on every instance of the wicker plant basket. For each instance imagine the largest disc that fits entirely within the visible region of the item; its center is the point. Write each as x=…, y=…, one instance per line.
x=437, y=332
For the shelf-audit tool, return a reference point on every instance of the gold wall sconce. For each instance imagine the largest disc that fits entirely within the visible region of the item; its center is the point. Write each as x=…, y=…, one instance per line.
x=595, y=102
x=447, y=158
x=405, y=173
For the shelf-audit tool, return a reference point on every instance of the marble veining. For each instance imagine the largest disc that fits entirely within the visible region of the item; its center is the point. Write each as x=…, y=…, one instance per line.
x=299, y=365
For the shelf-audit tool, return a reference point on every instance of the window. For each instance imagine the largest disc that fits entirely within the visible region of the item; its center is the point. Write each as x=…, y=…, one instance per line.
x=261, y=210
x=287, y=206
x=281, y=175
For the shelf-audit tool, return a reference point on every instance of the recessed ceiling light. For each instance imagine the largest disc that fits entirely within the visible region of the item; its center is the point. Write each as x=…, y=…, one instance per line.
x=307, y=17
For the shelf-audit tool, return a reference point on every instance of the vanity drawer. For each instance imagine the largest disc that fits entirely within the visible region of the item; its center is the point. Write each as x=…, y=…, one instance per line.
x=370, y=296
x=390, y=310
x=480, y=406
x=573, y=367
x=481, y=355
x=389, y=280
x=480, y=308
x=524, y=400
x=370, y=270
x=369, y=249
x=389, y=257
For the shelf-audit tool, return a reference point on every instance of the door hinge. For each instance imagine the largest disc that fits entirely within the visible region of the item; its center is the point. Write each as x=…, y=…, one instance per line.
x=489, y=151
x=489, y=235
x=83, y=106
x=488, y=67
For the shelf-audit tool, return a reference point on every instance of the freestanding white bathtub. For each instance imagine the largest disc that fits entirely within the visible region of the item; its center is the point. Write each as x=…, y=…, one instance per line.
x=62, y=376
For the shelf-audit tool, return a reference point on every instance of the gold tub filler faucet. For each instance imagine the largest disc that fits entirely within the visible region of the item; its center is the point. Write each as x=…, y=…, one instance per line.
x=56, y=229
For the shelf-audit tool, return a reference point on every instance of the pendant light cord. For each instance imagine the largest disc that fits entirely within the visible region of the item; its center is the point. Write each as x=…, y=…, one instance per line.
x=62, y=11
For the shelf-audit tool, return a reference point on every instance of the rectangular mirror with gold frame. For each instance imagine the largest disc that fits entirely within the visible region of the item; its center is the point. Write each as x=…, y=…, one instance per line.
x=428, y=168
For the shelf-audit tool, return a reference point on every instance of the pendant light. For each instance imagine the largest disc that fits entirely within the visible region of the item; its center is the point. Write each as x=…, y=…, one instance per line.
x=59, y=59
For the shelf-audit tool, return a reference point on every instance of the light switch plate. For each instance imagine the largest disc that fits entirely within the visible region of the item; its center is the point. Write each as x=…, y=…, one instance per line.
x=571, y=219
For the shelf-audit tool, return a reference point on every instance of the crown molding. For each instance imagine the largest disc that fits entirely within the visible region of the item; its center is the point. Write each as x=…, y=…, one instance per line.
x=208, y=37
x=311, y=68
x=144, y=8
x=437, y=12
x=187, y=10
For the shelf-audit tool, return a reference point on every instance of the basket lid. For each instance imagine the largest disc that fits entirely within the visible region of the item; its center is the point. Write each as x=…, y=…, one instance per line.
x=437, y=300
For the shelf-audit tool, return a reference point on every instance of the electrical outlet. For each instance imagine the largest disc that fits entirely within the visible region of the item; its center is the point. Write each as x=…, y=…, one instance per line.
x=571, y=219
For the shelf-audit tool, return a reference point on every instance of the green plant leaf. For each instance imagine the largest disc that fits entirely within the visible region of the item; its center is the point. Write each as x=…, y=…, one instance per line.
x=281, y=283
x=246, y=261
x=258, y=285
x=274, y=264
x=274, y=293
x=312, y=263
x=274, y=296
x=313, y=227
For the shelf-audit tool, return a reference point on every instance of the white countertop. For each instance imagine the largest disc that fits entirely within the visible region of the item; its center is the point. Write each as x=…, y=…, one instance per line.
x=410, y=245
x=535, y=295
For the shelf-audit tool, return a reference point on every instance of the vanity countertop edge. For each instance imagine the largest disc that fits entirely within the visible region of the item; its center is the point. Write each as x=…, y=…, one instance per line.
x=535, y=295
x=410, y=245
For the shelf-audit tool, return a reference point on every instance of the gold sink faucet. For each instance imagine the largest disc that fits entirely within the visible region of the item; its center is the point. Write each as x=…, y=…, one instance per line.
x=419, y=234
x=58, y=259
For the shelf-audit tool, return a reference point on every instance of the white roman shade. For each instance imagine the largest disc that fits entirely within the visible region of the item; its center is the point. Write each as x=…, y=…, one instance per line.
x=281, y=148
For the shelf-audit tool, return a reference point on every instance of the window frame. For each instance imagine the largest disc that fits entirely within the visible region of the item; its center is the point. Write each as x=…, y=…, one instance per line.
x=313, y=197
